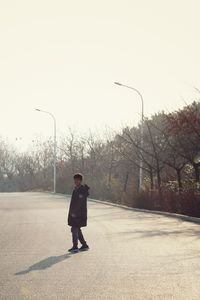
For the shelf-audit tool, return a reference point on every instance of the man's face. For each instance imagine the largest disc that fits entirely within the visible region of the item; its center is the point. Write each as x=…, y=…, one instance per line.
x=77, y=181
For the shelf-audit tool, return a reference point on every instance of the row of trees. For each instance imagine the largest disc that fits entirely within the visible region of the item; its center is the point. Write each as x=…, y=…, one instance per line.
x=170, y=154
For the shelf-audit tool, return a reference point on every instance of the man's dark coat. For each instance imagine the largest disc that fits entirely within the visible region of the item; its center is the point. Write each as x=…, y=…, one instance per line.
x=77, y=216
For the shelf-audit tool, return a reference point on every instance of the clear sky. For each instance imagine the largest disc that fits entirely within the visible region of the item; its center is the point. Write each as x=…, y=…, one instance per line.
x=63, y=56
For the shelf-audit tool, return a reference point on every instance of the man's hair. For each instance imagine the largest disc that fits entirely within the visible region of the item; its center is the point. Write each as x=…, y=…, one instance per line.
x=78, y=176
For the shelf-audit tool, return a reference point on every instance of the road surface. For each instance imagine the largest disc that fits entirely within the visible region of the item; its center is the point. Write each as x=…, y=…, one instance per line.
x=133, y=255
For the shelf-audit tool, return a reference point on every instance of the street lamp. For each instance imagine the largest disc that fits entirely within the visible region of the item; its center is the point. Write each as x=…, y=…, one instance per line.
x=55, y=146
x=142, y=131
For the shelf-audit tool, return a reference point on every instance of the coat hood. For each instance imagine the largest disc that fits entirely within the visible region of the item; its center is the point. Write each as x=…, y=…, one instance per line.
x=86, y=189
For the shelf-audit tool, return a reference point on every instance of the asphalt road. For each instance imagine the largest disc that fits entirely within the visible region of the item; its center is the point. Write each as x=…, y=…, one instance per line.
x=133, y=255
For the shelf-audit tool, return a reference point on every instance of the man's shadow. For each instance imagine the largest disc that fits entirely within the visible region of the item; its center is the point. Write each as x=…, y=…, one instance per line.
x=45, y=263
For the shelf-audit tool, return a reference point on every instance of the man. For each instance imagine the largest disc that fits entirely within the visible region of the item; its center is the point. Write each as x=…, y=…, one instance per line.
x=77, y=216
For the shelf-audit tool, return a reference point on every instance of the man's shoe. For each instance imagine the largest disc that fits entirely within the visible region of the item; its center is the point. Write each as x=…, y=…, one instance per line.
x=84, y=247
x=73, y=249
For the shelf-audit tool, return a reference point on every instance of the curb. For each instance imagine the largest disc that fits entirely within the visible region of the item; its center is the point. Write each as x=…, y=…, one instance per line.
x=162, y=213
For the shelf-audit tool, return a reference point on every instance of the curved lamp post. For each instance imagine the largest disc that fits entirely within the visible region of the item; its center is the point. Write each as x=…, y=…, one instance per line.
x=55, y=146
x=142, y=134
